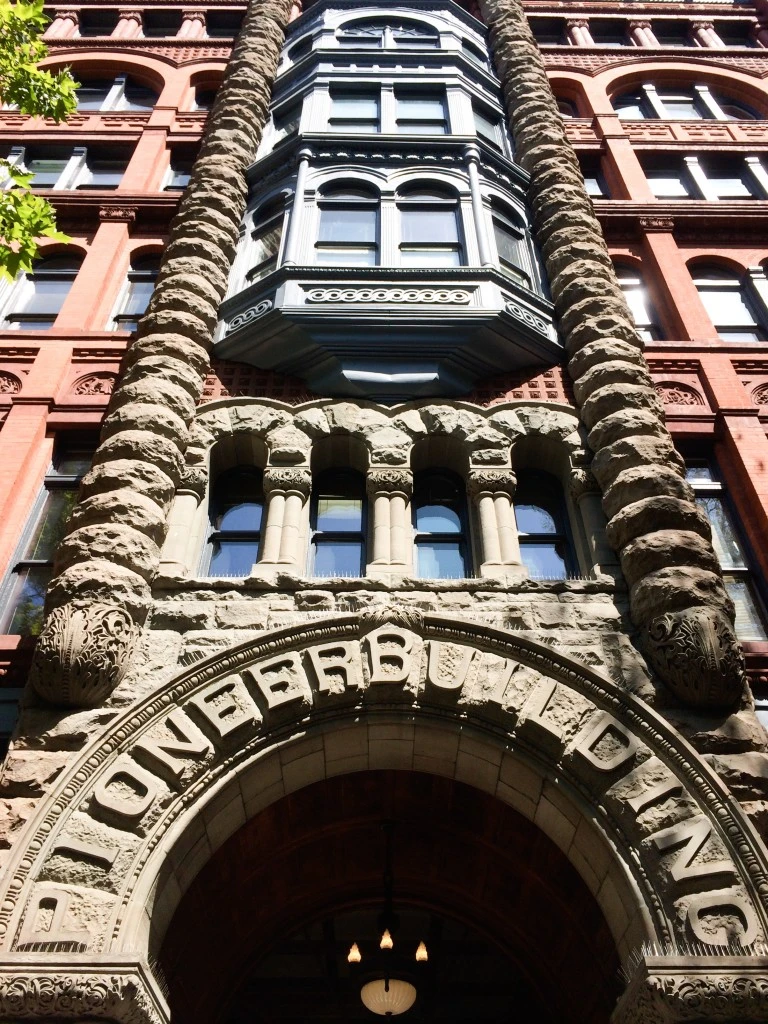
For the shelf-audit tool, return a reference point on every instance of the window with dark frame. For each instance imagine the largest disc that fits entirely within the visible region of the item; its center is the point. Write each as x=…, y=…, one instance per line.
x=267, y=236
x=546, y=548
x=728, y=300
x=36, y=299
x=429, y=227
x=354, y=112
x=421, y=112
x=338, y=522
x=440, y=524
x=731, y=551
x=236, y=511
x=349, y=227
x=510, y=240
x=32, y=568
x=141, y=282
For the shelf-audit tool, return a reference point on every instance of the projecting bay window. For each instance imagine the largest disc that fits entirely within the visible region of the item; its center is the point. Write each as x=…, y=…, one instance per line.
x=24, y=590
x=354, y=112
x=421, y=113
x=511, y=245
x=338, y=522
x=266, y=239
x=440, y=526
x=349, y=227
x=739, y=579
x=236, y=510
x=384, y=34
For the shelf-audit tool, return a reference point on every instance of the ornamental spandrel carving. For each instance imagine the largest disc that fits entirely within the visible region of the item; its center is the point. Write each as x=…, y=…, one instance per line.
x=487, y=481
x=9, y=384
x=390, y=481
x=288, y=479
x=83, y=653
x=697, y=654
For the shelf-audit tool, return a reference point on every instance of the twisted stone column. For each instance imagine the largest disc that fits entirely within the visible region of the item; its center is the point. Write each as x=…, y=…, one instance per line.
x=100, y=595
x=677, y=596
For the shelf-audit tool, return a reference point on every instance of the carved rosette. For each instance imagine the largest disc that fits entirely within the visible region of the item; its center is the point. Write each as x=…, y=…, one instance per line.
x=288, y=479
x=697, y=653
x=489, y=481
x=82, y=653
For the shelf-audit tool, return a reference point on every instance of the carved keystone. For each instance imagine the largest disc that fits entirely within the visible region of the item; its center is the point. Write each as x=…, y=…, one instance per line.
x=82, y=653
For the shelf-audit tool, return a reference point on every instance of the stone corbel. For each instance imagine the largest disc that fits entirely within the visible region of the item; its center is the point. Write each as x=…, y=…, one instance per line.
x=41, y=986
x=675, y=989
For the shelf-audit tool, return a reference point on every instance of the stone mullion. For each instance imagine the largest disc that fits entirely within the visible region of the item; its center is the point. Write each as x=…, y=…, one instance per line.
x=677, y=596
x=101, y=594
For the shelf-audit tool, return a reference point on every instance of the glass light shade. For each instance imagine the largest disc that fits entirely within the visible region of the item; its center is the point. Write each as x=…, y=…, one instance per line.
x=388, y=1000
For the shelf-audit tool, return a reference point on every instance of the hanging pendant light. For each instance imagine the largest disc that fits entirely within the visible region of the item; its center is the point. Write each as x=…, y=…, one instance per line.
x=388, y=973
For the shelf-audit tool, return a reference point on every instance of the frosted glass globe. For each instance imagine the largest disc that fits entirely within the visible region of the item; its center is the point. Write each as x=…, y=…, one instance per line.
x=388, y=1003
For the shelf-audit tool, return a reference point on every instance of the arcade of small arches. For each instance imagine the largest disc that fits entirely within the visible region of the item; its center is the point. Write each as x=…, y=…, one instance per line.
x=334, y=490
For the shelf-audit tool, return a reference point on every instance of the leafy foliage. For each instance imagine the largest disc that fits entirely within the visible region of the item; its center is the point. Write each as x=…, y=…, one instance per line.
x=25, y=217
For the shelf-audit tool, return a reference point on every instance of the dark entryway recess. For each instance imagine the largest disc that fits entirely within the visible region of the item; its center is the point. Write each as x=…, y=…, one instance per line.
x=514, y=935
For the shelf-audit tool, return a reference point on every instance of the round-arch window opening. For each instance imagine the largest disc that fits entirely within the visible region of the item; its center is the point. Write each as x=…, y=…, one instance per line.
x=542, y=526
x=236, y=511
x=440, y=526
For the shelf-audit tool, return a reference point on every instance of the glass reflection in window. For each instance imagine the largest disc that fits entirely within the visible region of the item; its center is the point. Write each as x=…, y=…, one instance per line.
x=236, y=513
x=338, y=524
x=440, y=526
x=542, y=526
x=349, y=228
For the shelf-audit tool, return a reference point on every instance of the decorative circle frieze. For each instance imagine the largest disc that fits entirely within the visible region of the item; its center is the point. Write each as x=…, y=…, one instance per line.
x=519, y=313
x=760, y=395
x=450, y=296
x=674, y=393
x=249, y=315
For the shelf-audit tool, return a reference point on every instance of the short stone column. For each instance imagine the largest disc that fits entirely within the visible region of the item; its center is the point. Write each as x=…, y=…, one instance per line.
x=641, y=33
x=192, y=25
x=64, y=25
x=177, y=555
x=129, y=25
x=492, y=492
x=389, y=496
x=586, y=496
x=703, y=33
x=577, y=31
x=671, y=989
x=287, y=491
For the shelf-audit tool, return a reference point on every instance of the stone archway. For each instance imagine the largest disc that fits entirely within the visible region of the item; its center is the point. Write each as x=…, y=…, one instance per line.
x=651, y=830
x=459, y=853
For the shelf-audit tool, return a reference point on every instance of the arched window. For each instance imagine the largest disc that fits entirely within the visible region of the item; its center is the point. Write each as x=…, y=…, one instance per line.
x=429, y=227
x=119, y=93
x=266, y=237
x=542, y=526
x=349, y=226
x=567, y=108
x=338, y=523
x=440, y=526
x=510, y=243
x=141, y=280
x=686, y=103
x=376, y=34
x=235, y=512
x=36, y=299
x=727, y=300
x=636, y=294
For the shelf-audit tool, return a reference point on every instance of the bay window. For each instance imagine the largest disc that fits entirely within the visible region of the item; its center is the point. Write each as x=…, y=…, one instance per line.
x=429, y=227
x=349, y=227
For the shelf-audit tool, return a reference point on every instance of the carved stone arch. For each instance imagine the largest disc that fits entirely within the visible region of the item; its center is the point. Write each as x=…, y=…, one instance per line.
x=480, y=441
x=652, y=830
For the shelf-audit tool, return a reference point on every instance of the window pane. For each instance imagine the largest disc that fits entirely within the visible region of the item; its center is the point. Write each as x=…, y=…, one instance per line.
x=637, y=300
x=681, y=109
x=726, y=307
x=487, y=128
x=699, y=473
x=724, y=540
x=430, y=226
x=27, y=600
x=73, y=463
x=238, y=501
x=338, y=557
x=45, y=172
x=355, y=108
x=355, y=226
x=421, y=108
x=347, y=257
x=92, y=95
x=440, y=560
x=50, y=526
x=339, y=514
x=534, y=519
x=543, y=561
x=735, y=188
x=629, y=109
x=431, y=258
x=47, y=297
x=667, y=186
x=233, y=557
x=138, y=296
x=749, y=623
x=507, y=243
x=437, y=519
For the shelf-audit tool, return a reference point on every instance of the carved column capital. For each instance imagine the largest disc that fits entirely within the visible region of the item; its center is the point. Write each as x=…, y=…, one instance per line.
x=130, y=14
x=639, y=23
x=118, y=213
x=491, y=481
x=287, y=479
x=657, y=224
x=390, y=481
x=581, y=482
x=193, y=15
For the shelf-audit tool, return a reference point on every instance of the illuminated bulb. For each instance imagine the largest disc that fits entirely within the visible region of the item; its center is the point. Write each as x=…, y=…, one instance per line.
x=386, y=940
x=421, y=954
x=354, y=956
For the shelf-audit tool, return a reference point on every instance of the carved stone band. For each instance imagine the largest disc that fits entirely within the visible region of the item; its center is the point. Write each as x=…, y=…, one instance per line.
x=452, y=296
x=39, y=986
x=671, y=989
